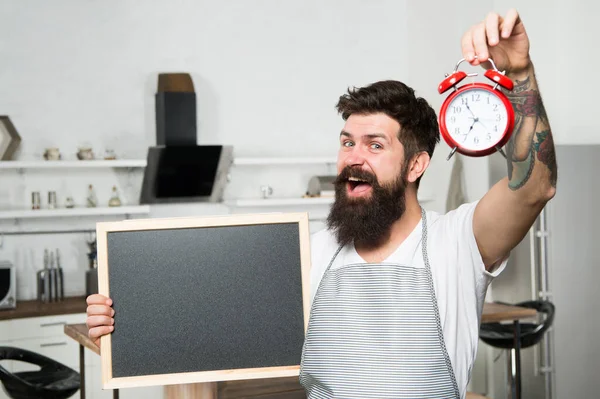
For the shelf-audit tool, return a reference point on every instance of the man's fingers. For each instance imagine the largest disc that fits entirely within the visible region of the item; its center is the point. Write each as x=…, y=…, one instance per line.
x=492, y=22
x=507, y=25
x=467, y=46
x=480, y=43
x=98, y=321
x=100, y=310
x=95, y=299
x=97, y=332
x=98, y=299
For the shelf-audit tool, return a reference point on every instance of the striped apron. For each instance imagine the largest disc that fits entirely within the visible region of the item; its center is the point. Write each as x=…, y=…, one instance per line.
x=374, y=332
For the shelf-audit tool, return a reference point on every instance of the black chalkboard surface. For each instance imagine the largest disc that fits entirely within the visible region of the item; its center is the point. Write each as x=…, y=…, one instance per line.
x=204, y=299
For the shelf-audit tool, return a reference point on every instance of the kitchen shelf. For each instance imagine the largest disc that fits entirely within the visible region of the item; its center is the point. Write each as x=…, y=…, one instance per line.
x=100, y=163
x=284, y=161
x=141, y=163
x=279, y=202
x=66, y=212
x=260, y=202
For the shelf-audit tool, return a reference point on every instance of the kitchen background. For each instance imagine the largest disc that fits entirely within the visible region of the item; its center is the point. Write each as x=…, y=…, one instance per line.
x=267, y=75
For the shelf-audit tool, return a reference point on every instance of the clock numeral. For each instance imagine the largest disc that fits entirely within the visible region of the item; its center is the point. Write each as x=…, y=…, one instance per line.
x=495, y=128
x=495, y=107
x=464, y=100
x=488, y=136
x=476, y=140
x=453, y=119
x=457, y=130
x=498, y=118
x=475, y=97
x=456, y=109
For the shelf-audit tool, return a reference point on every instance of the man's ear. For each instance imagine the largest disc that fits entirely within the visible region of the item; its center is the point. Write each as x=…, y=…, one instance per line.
x=417, y=166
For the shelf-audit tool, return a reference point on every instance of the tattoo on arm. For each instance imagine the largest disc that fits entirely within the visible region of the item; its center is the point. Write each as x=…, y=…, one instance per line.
x=531, y=144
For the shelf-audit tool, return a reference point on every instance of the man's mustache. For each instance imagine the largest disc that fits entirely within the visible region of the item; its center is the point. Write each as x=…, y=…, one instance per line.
x=356, y=173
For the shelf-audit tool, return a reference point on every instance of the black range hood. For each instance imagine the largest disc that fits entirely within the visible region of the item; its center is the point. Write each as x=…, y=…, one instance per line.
x=178, y=170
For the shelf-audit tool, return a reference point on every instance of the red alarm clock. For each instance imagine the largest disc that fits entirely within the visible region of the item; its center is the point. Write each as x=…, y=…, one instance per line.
x=476, y=119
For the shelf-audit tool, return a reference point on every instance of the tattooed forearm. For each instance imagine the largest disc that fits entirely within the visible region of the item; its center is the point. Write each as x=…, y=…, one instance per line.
x=531, y=145
x=520, y=174
x=544, y=148
x=527, y=101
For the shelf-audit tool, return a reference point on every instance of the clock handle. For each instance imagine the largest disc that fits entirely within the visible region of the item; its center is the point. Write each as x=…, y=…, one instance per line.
x=493, y=74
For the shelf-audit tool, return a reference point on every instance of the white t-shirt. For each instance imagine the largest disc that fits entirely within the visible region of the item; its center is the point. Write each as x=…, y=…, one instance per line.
x=459, y=277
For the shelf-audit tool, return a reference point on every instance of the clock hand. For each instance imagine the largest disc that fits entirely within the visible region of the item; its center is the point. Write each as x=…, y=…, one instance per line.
x=488, y=131
x=474, y=117
x=484, y=126
x=471, y=128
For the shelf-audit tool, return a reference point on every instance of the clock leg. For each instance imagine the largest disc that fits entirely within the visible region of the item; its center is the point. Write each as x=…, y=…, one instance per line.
x=451, y=153
x=501, y=151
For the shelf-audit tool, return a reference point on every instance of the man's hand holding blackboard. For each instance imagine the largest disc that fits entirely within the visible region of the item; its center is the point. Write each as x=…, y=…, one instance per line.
x=99, y=317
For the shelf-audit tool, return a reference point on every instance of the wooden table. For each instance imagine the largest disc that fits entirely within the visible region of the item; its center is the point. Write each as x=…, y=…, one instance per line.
x=35, y=308
x=497, y=312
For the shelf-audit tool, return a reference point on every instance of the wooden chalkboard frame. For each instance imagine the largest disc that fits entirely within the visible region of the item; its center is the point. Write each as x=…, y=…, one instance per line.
x=102, y=231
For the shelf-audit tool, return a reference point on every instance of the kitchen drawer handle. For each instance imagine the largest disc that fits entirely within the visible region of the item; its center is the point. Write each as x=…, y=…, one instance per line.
x=53, y=344
x=58, y=323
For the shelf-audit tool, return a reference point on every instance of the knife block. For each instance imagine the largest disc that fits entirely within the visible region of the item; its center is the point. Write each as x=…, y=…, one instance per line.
x=50, y=285
x=43, y=286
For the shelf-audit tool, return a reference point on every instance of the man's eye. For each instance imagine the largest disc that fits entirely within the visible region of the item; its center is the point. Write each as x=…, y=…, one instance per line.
x=376, y=146
x=347, y=144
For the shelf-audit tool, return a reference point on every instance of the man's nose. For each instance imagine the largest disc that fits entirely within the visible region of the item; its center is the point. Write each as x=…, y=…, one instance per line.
x=355, y=158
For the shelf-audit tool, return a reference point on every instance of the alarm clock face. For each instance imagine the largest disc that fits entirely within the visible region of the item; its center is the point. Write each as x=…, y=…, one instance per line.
x=476, y=119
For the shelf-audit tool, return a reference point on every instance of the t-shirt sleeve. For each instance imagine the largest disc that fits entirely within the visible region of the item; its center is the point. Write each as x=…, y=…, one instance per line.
x=462, y=220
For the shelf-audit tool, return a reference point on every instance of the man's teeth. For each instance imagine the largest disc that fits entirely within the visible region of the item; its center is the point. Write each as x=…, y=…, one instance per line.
x=355, y=179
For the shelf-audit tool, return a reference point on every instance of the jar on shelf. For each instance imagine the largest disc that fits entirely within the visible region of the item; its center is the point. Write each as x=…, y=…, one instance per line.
x=114, y=198
x=91, y=200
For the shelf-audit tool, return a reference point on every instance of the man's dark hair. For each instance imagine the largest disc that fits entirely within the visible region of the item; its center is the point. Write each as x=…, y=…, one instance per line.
x=418, y=121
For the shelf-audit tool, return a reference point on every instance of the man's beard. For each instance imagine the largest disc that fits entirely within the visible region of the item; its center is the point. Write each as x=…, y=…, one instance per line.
x=366, y=220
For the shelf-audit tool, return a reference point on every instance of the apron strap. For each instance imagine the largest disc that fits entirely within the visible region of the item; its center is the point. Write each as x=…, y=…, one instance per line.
x=333, y=258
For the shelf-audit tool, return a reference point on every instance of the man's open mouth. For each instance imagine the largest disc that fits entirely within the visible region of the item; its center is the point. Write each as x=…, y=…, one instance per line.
x=356, y=185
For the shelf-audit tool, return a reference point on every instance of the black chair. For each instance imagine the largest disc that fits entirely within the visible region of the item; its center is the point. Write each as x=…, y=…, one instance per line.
x=53, y=381
x=505, y=336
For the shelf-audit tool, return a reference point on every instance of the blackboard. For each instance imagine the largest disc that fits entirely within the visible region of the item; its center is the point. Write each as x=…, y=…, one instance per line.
x=204, y=299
